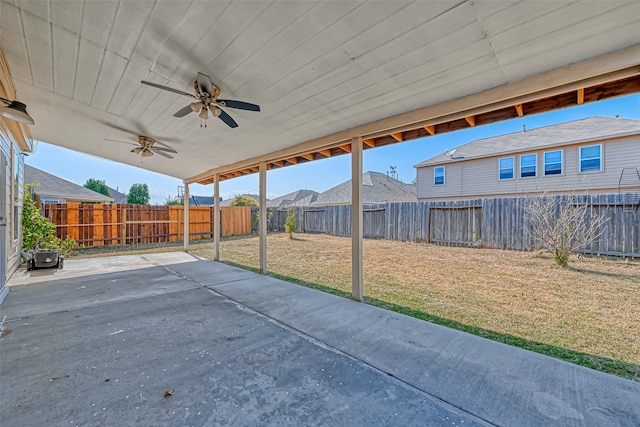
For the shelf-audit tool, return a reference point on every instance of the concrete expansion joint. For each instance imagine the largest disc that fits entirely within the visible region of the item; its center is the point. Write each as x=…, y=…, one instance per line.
x=343, y=353
x=195, y=282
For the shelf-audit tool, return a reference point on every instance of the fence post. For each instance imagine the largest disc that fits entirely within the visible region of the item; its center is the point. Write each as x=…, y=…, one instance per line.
x=123, y=229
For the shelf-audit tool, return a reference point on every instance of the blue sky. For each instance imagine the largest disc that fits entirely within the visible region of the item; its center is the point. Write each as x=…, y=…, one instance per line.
x=319, y=175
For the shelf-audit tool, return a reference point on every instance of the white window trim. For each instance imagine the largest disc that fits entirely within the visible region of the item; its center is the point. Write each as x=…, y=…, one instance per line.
x=601, y=158
x=513, y=169
x=520, y=166
x=444, y=176
x=14, y=206
x=544, y=163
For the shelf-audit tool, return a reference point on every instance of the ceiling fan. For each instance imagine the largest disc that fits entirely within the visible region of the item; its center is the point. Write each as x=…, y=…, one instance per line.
x=146, y=146
x=207, y=94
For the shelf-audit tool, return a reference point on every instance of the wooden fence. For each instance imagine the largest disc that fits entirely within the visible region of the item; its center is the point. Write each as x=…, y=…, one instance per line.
x=497, y=222
x=98, y=225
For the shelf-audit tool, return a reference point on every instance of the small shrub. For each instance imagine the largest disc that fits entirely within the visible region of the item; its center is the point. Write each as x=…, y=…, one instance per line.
x=290, y=224
x=38, y=231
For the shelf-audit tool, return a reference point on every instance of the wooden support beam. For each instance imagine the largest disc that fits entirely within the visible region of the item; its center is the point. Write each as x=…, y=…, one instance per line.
x=246, y=171
x=580, y=96
x=519, y=110
x=279, y=163
x=307, y=156
x=216, y=217
x=471, y=120
x=431, y=129
x=357, y=228
x=369, y=142
x=262, y=217
x=397, y=136
x=293, y=160
x=326, y=153
x=255, y=168
x=186, y=217
x=346, y=147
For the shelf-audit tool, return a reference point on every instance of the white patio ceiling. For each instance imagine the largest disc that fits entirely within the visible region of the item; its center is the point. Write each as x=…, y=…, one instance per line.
x=317, y=68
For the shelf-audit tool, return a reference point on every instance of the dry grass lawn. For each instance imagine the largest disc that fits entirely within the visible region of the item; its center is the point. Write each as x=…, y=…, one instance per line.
x=588, y=313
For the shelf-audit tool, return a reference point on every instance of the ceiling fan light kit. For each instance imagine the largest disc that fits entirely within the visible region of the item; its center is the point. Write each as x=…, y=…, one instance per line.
x=17, y=111
x=207, y=95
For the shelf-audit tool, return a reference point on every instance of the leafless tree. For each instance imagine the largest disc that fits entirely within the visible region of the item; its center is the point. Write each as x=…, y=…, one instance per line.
x=563, y=224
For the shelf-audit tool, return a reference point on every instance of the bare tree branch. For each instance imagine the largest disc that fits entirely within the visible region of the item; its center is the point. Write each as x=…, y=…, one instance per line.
x=563, y=224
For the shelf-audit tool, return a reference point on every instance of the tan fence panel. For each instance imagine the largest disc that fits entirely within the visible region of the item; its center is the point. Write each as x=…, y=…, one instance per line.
x=97, y=225
x=175, y=223
x=236, y=220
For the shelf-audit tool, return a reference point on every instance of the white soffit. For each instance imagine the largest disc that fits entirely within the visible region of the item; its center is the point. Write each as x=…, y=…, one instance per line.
x=316, y=68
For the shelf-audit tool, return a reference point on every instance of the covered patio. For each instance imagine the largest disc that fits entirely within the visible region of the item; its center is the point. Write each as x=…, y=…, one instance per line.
x=170, y=339
x=330, y=78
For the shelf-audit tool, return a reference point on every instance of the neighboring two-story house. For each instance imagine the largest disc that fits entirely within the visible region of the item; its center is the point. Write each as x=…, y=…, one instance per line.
x=585, y=156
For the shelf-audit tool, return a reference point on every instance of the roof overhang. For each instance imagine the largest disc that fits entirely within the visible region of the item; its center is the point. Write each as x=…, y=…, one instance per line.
x=561, y=88
x=323, y=72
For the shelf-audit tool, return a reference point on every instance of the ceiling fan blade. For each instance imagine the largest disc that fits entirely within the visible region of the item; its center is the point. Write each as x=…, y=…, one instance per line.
x=170, y=89
x=205, y=85
x=168, y=150
x=121, y=142
x=155, y=150
x=227, y=119
x=240, y=105
x=183, y=111
x=116, y=127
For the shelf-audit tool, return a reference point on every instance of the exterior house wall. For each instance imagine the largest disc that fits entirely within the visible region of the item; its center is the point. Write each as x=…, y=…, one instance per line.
x=14, y=139
x=480, y=177
x=13, y=187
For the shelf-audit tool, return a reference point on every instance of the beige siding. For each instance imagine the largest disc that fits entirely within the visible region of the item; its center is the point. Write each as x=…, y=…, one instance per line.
x=13, y=241
x=480, y=178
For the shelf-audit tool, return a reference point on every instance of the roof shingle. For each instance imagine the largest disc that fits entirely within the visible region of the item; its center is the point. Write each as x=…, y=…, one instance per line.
x=51, y=185
x=584, y=130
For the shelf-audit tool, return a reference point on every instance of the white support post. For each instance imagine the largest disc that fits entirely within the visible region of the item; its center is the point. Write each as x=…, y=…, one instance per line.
x=216, y=217
x=186, y=217
x=263, y=218
x=357, y=292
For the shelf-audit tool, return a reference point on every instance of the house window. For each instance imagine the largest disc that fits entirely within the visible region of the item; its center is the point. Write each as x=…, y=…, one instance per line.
x=506, y=168
x=553, y=163
x=438, y=175
x=528, y=165
x=591, y=158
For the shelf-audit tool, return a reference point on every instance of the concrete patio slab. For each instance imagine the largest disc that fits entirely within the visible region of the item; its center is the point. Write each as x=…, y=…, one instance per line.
x=101, y=341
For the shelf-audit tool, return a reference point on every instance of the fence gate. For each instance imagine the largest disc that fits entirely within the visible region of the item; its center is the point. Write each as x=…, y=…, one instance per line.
x=373, y=223
x=313, y=221
x=282, y=219
x=455, y=225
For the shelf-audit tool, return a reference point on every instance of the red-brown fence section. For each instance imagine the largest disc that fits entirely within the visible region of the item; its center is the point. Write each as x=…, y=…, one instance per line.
x=98, y=225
